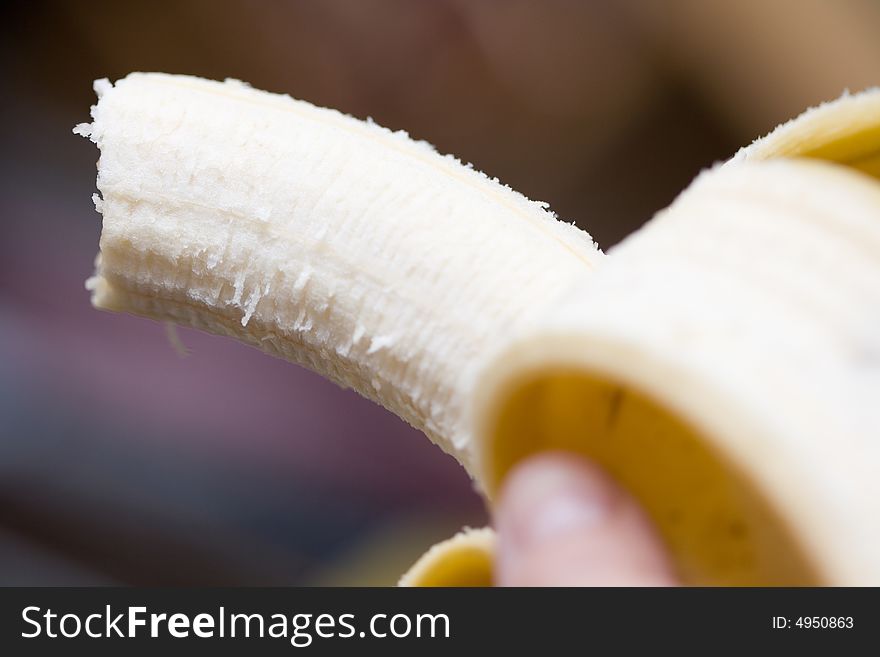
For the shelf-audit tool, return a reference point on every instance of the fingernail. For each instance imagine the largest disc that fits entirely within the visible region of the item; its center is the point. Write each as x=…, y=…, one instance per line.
x=552, y=496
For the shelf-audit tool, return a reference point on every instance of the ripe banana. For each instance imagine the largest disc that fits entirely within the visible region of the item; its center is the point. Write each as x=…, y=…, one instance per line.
x=723, y=364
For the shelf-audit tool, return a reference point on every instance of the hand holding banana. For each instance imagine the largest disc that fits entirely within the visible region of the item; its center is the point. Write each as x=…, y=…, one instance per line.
x=722, y=363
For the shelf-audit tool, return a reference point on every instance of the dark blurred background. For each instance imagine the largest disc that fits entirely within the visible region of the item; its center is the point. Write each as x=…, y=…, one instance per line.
x=122, y=462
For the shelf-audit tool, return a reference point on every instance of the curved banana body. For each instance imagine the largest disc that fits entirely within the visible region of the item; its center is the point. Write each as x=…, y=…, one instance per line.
x=330, y=242
x=723, y=363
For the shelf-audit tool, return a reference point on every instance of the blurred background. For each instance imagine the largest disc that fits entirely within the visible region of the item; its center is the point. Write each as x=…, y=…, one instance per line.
x=124, y=463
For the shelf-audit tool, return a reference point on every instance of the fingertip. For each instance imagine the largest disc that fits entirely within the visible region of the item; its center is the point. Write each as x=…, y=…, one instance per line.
x=562, y=521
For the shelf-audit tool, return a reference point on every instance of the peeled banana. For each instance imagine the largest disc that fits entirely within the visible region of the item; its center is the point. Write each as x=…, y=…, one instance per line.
x=723, y=363
x=330, y=242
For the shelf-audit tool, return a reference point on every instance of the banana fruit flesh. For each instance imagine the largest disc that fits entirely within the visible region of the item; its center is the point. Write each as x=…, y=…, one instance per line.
x=723, y=363
x=330, y=242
